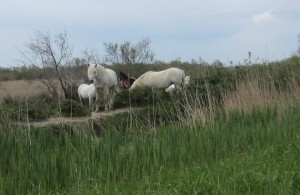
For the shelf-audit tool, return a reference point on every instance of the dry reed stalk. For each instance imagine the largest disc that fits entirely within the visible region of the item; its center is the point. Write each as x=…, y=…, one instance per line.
x=195, y=110
x=254, y=93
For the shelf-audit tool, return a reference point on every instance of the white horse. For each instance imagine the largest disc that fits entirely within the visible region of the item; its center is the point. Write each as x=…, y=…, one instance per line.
x=87, y=91
x=161, y=80
x=104, y=79
x=172, y=87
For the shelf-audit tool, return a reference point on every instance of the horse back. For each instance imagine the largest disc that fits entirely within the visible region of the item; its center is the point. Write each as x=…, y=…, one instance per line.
x=175, y=74
x=161, y=79
x=112, y=81
x=108, y=79
x=85, y=90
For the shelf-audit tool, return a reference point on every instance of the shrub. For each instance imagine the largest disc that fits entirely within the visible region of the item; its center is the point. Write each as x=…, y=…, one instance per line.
x=73, y=108
x=36, y=108
x=138, y=97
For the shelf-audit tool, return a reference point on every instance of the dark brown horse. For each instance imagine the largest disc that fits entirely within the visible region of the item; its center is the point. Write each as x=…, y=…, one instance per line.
x=126, y=81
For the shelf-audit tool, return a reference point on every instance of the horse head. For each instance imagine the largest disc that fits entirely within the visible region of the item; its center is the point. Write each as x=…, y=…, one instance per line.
x=123, y=76
x=92, y=72
x=126, y=81
x=187, y=80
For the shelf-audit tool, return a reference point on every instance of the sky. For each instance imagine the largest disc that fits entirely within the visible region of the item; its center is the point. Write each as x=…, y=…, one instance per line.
x=224, y=30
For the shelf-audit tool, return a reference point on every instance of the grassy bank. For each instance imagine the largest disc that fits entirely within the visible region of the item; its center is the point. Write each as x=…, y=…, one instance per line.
x=235, y=154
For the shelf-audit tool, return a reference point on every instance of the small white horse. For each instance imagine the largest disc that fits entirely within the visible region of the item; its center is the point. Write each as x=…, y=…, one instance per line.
x=161, y=80
x=87, y=91
x=104, y=79
x=172, y=87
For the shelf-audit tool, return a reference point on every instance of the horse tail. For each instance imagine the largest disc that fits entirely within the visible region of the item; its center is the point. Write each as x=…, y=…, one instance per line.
x=80, y=99
x=183, y=80
x=78, y=91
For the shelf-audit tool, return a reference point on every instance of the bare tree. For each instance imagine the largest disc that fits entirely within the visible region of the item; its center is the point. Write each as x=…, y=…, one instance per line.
x=92, y=56
x=52, y=57
x=127, y=53
x=298, y=51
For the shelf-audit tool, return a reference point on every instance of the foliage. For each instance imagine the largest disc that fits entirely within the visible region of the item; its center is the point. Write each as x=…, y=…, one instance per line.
x=38, y=108
x=18, y=73
x=206, y=81
x=71, y=108
x=140, y=97
x=229, y=156
x=153, y=111
x=213, y=81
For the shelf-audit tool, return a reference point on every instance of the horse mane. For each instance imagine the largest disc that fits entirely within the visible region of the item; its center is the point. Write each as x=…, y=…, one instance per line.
x=123, y=75
x=131, y=80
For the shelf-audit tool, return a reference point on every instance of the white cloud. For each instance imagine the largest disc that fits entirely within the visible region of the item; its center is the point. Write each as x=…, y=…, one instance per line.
x=263, y=17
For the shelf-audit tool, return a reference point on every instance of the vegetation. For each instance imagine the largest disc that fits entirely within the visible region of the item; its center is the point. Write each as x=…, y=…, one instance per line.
x=234, y=130
x=241, y=152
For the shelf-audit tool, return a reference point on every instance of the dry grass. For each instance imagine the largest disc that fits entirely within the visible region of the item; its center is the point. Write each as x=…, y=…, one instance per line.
x=20, y=89
x=252, y=93
x=249, y=94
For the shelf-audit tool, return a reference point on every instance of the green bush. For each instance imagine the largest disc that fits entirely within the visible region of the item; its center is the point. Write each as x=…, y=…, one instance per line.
x=213, y=82
x=36, y=108
x=73, y=108
x=138, y=97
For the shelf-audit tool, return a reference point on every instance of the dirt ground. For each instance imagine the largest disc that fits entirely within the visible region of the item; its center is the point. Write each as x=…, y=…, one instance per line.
x=80, y=120
x=26, y=89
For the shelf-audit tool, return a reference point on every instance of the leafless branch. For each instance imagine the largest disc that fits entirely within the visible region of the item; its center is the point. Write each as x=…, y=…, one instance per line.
x=51, y=55
x=126, y=53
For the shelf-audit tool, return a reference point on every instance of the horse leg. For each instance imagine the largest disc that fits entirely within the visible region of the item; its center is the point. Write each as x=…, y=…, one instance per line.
x=106, y=99
x=80, y=100
x=90, y=103
x=178, y=88
x=97, y=100
x=111, y=98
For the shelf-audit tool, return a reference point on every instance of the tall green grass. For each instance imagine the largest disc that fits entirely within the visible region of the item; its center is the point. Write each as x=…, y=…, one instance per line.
x=237, y=141
x=39, y=161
